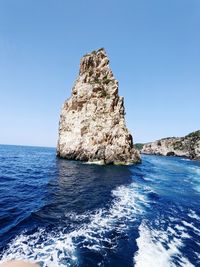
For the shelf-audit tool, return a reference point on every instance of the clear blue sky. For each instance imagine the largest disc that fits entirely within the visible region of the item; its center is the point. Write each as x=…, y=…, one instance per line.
x=154, y=51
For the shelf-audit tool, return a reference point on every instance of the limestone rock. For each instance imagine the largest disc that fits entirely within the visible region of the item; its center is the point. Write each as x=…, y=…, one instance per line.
x=92, y=124
x=187, y=146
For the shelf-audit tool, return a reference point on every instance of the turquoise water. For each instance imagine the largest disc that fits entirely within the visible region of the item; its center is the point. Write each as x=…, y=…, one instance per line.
x=65, y=213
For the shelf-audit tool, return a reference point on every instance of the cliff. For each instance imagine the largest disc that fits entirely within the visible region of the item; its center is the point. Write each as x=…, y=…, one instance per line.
x=187, y=146
x=92, y=124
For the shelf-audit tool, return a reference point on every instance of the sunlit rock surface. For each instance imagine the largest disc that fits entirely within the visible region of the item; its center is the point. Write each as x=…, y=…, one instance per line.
x=92, y=124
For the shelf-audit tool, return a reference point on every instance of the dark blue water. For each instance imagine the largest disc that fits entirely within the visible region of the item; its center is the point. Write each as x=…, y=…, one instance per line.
x=64, y=213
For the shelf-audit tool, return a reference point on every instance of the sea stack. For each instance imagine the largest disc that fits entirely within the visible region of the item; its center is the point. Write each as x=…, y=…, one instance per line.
x=92, y=124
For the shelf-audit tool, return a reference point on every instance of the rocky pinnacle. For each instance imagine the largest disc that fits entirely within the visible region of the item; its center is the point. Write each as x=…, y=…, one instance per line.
x=92, y=125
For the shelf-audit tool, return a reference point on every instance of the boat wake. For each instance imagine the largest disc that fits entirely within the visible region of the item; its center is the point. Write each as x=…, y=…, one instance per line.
x=159, y=247
x=62, y=247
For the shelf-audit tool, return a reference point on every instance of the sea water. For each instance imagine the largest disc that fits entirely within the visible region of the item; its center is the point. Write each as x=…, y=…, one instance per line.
x=65, y=213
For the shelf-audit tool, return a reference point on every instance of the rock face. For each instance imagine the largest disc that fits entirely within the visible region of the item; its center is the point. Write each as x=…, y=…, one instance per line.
x=187, y=146
x=92, y=124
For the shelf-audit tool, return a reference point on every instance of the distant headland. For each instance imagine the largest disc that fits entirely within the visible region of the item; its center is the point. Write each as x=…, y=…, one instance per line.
x=187, y=146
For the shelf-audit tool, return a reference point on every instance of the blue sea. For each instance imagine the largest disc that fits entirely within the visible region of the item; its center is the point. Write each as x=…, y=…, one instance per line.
x=65, y=213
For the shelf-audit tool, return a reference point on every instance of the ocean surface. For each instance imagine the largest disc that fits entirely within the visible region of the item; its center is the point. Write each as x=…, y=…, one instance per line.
x=65, y=213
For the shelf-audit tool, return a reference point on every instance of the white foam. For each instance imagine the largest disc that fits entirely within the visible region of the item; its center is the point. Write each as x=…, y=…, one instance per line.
x=59, y=248
x=195, y=169
x=192, y=214
x=195, y=177
x=191, y=226
x=152, y=252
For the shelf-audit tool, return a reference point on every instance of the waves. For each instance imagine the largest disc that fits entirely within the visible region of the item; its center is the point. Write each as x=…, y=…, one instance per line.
x=100, y=232
x=166, y=244
x=62, y=247
x=161, y=248
x=63, y=213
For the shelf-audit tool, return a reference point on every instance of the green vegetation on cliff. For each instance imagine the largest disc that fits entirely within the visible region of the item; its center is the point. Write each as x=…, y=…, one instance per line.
x=138, y=146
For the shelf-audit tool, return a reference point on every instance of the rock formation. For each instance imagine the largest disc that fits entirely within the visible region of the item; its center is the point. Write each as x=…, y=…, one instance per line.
x=187, y=146
x=92, y=124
